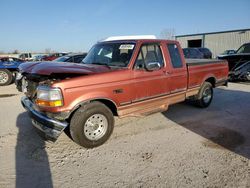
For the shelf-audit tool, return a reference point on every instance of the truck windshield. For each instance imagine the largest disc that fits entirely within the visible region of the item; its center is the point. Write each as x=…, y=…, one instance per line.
x=62, y=59
x=115, y=54
x=245, y=48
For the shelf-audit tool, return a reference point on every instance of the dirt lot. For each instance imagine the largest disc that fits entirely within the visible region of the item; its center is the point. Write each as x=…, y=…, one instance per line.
x=183, y=147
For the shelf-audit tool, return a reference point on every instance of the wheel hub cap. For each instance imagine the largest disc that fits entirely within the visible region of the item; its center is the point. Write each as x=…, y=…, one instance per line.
x=207, y=95
x=95, y=127
x=3, y=77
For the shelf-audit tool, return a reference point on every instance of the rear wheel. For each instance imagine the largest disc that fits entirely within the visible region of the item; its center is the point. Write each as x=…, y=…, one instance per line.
x=6, y=77
x=92, y=124
x=205, y=95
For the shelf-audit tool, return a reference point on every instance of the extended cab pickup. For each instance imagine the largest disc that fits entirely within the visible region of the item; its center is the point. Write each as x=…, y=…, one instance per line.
x=117, y=78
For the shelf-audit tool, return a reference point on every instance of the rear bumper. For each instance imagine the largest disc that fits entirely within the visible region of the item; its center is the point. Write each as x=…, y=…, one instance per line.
x=51, y=128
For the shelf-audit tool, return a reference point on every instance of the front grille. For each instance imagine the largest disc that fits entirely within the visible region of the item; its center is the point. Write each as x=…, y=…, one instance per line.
x=31, y=89
x=30, y=82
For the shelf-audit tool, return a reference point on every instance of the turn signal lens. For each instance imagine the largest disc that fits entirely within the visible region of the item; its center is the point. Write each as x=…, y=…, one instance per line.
x=56, y=103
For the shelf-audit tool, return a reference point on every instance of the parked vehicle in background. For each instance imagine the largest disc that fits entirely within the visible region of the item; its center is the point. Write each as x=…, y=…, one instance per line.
x=238, y=63
x=39, y=57
x=26, y=56
x=74, y=58
x=244, y=49
x=241, y=73
x=53, y=56
x=8, y=69
x=227, y=52
x=207, y=54
x=118, y=77
x=10, y=59
x=192, y=53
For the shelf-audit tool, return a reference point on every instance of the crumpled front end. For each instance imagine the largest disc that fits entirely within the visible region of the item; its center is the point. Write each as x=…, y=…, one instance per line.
x=50, y=125
x=51, y=128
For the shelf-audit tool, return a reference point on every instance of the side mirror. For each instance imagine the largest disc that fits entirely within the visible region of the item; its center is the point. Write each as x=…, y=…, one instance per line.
x=152, y=66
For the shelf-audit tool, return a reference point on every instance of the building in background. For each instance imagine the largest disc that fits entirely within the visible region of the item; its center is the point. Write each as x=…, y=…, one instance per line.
x=217, y=42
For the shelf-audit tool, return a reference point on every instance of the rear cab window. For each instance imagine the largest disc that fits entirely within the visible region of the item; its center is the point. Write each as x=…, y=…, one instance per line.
x=175, y=55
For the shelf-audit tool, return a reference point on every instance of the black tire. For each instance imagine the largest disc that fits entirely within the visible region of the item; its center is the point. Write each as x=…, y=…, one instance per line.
x=82, y=126
x=6, y=77
x=67, y=132
x=203, y=100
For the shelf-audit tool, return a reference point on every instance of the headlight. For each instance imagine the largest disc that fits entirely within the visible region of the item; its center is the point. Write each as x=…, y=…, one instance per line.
x=49, y=97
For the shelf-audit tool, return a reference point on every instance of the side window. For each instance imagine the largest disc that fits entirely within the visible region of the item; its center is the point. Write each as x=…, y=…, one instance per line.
x=175, y=55
x=149, y=53
x=78, y=59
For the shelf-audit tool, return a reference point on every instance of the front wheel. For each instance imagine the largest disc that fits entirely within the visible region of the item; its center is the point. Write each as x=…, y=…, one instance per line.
x=92, y=124
x=205, y=95
x=6, y=77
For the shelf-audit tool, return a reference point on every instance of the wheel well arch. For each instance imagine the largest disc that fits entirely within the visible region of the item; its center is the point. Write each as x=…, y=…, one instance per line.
x=110, y=104
x=107, y=102
x=211, y=80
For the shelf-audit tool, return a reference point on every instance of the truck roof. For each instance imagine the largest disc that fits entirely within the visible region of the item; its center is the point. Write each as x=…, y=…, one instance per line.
x=134, y=38
x=131, y=37
x=138, y=40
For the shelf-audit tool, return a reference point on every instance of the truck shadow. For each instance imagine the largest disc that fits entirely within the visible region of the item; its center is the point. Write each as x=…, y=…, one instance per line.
x=32, y=164
x=224, y=124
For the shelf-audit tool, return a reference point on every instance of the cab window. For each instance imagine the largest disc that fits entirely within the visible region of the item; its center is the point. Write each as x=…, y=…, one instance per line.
x=175, y=55
x=149, y=53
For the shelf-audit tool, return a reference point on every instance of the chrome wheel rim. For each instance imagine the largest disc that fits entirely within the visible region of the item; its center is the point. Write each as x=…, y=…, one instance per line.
x=3, y=77
x=95, y=127
x=207, y=95
x=248, y=76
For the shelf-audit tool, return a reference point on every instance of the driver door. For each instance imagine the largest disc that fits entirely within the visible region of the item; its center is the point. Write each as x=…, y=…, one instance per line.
x=149, y=84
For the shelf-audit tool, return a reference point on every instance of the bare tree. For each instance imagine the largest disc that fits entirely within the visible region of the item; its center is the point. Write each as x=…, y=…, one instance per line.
x=15, y=52
x=168, y=33
x=47, y=50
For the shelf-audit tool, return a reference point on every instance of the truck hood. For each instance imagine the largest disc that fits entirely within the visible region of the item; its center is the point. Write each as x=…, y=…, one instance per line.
x=48, y=68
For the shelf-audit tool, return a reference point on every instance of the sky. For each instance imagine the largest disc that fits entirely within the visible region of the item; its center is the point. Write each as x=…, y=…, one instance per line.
x=75, y=25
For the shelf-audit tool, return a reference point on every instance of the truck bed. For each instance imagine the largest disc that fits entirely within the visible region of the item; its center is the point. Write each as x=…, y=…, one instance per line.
x=198, y=69
x=194, y=62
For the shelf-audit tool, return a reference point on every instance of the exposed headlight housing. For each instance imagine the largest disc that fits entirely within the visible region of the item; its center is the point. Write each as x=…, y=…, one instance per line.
x=49, y=97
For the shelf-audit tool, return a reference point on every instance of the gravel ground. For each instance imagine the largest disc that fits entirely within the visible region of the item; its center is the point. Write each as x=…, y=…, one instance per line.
x=182, y=147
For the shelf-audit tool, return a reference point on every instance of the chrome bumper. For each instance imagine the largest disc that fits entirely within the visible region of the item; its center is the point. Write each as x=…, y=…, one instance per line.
x=51, y=128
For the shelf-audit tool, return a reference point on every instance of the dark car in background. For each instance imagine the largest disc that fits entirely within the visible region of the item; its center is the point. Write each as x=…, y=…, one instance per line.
x=227, y=52
x=74, y=58
x=192, y=53
x=244, y=49
x=53, y=56
x=207, y=54
x=10, y=59
x=239, y=63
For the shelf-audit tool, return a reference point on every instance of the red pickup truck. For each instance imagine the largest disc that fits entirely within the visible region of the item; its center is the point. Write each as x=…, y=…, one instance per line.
x=117, y=78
